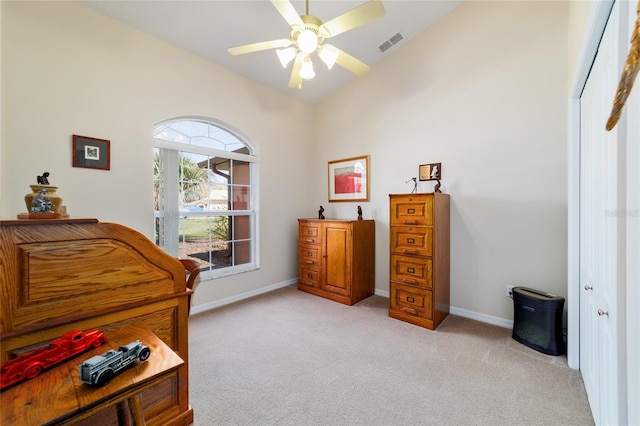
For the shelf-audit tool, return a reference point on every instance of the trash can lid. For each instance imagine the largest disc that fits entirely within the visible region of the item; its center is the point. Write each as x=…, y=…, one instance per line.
x=538, y=294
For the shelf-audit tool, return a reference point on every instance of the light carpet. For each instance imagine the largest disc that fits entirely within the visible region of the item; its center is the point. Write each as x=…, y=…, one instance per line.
x=290, y=358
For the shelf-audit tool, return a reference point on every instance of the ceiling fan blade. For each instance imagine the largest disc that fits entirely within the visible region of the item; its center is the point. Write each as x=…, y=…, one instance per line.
x=289, y=13
x=296, y=79
x=367, y=12
x=350, y=63
x=256, y=47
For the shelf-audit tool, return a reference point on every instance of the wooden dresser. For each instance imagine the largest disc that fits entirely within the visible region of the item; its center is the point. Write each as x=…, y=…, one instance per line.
x=336, y=259
x=419, y=258
x=64, y=274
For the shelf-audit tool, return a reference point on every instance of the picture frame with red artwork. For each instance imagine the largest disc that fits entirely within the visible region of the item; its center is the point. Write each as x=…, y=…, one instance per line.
x=349, y=179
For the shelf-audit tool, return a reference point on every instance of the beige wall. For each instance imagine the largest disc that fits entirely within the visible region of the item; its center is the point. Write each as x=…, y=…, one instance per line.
x=484, y=92
x=68, y=70
x=580, y=13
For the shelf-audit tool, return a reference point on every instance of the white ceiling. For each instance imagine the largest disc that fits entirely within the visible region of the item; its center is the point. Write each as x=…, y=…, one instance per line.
x=208, y=27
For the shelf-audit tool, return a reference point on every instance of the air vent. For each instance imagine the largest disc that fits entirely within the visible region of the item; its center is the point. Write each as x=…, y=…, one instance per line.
x=395, y=39
x=385, y=46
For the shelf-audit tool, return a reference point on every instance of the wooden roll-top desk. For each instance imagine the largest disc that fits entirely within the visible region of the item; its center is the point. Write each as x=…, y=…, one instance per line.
x=65, y=274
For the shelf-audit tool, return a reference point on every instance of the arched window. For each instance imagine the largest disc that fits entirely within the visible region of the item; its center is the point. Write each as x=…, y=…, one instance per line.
x=204, y=197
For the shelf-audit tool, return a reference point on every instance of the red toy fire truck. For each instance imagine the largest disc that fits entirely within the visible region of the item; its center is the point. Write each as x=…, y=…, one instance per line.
x=30, y=364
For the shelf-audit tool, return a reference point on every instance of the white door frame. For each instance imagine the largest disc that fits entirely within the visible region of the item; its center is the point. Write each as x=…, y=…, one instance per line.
x=595, y=28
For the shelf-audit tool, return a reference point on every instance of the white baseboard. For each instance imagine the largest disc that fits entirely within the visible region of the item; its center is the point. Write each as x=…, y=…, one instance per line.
x=489, y=319
x=382, y=293
x=228, y=300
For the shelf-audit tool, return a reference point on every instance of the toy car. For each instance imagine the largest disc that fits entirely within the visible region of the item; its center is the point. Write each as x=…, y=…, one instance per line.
x=100, y=369
x=30, y=364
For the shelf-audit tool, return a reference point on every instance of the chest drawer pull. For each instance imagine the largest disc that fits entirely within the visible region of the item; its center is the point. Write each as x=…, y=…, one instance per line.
x=410, y=222
x=308, y=261
x=309, y=240
x=410, y=311
x=409, y=281
x=410, y=299
x=407, y=251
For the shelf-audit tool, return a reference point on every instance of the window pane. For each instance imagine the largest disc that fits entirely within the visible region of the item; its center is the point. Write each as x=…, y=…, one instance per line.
x=206, y=239
x=200, y=133
x=192, y=190
x=241, y=173
x=156, y=179
x=240, y=197
x=241, y=227
x=242, y=252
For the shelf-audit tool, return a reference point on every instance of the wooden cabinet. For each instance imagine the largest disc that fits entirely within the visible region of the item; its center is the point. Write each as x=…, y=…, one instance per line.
x=419, y=258
x=78, y=274
x=336, y=258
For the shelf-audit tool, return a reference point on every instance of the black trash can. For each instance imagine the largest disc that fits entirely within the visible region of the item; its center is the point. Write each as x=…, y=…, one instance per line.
x=537, y=320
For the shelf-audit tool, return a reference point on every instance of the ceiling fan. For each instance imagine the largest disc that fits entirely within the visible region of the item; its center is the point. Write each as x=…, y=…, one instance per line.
x=307, y=36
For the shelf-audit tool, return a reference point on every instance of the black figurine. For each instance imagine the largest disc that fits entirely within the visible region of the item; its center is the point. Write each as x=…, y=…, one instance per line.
x=44, y=179
x=320, y=215
x=359, y=213
x=437, y=187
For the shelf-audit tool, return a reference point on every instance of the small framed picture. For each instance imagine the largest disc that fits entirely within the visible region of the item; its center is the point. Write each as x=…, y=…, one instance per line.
x=431, y=171
x=349, y=179
x=91, y=153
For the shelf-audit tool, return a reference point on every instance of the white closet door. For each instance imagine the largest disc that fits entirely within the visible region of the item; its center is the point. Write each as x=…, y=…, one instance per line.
x=632, y=295
x=600, y=224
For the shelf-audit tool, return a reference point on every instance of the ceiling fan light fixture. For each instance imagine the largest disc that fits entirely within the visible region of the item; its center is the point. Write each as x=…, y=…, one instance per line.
x=307, y=41
x=328, y=54
x=306, y=71
x=286, y=55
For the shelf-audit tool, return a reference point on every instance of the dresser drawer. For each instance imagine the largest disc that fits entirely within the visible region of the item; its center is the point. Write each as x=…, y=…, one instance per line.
x=411, y=300
x=309, y=233
x=413, y=240
x=412, y=210
x=411, y=270
x=309, y=275
x=309, y=254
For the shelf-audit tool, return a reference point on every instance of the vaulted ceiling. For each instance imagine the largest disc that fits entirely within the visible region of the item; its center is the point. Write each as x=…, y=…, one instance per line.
x=208, y=27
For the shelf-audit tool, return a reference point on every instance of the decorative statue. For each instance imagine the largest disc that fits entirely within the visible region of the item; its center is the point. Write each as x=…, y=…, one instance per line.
x=437, y=187
x=320, y=215
x=41, y=204
x=359, y=213
x=434, y=173
x=44, y=179
x=415, y=184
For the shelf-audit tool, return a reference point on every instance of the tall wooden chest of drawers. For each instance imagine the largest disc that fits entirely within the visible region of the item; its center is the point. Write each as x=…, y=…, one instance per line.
x=336, y=258
x=419, y=258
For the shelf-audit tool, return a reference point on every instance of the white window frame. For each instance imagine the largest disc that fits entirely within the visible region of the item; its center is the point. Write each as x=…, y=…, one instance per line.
x=251, y=158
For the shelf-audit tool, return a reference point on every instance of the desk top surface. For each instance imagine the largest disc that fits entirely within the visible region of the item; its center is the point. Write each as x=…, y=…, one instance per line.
x=58, y=394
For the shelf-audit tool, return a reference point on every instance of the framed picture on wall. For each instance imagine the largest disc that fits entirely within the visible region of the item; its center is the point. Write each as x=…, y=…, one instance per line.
x=431, y=171
x=91, y=153
x=349, y=179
